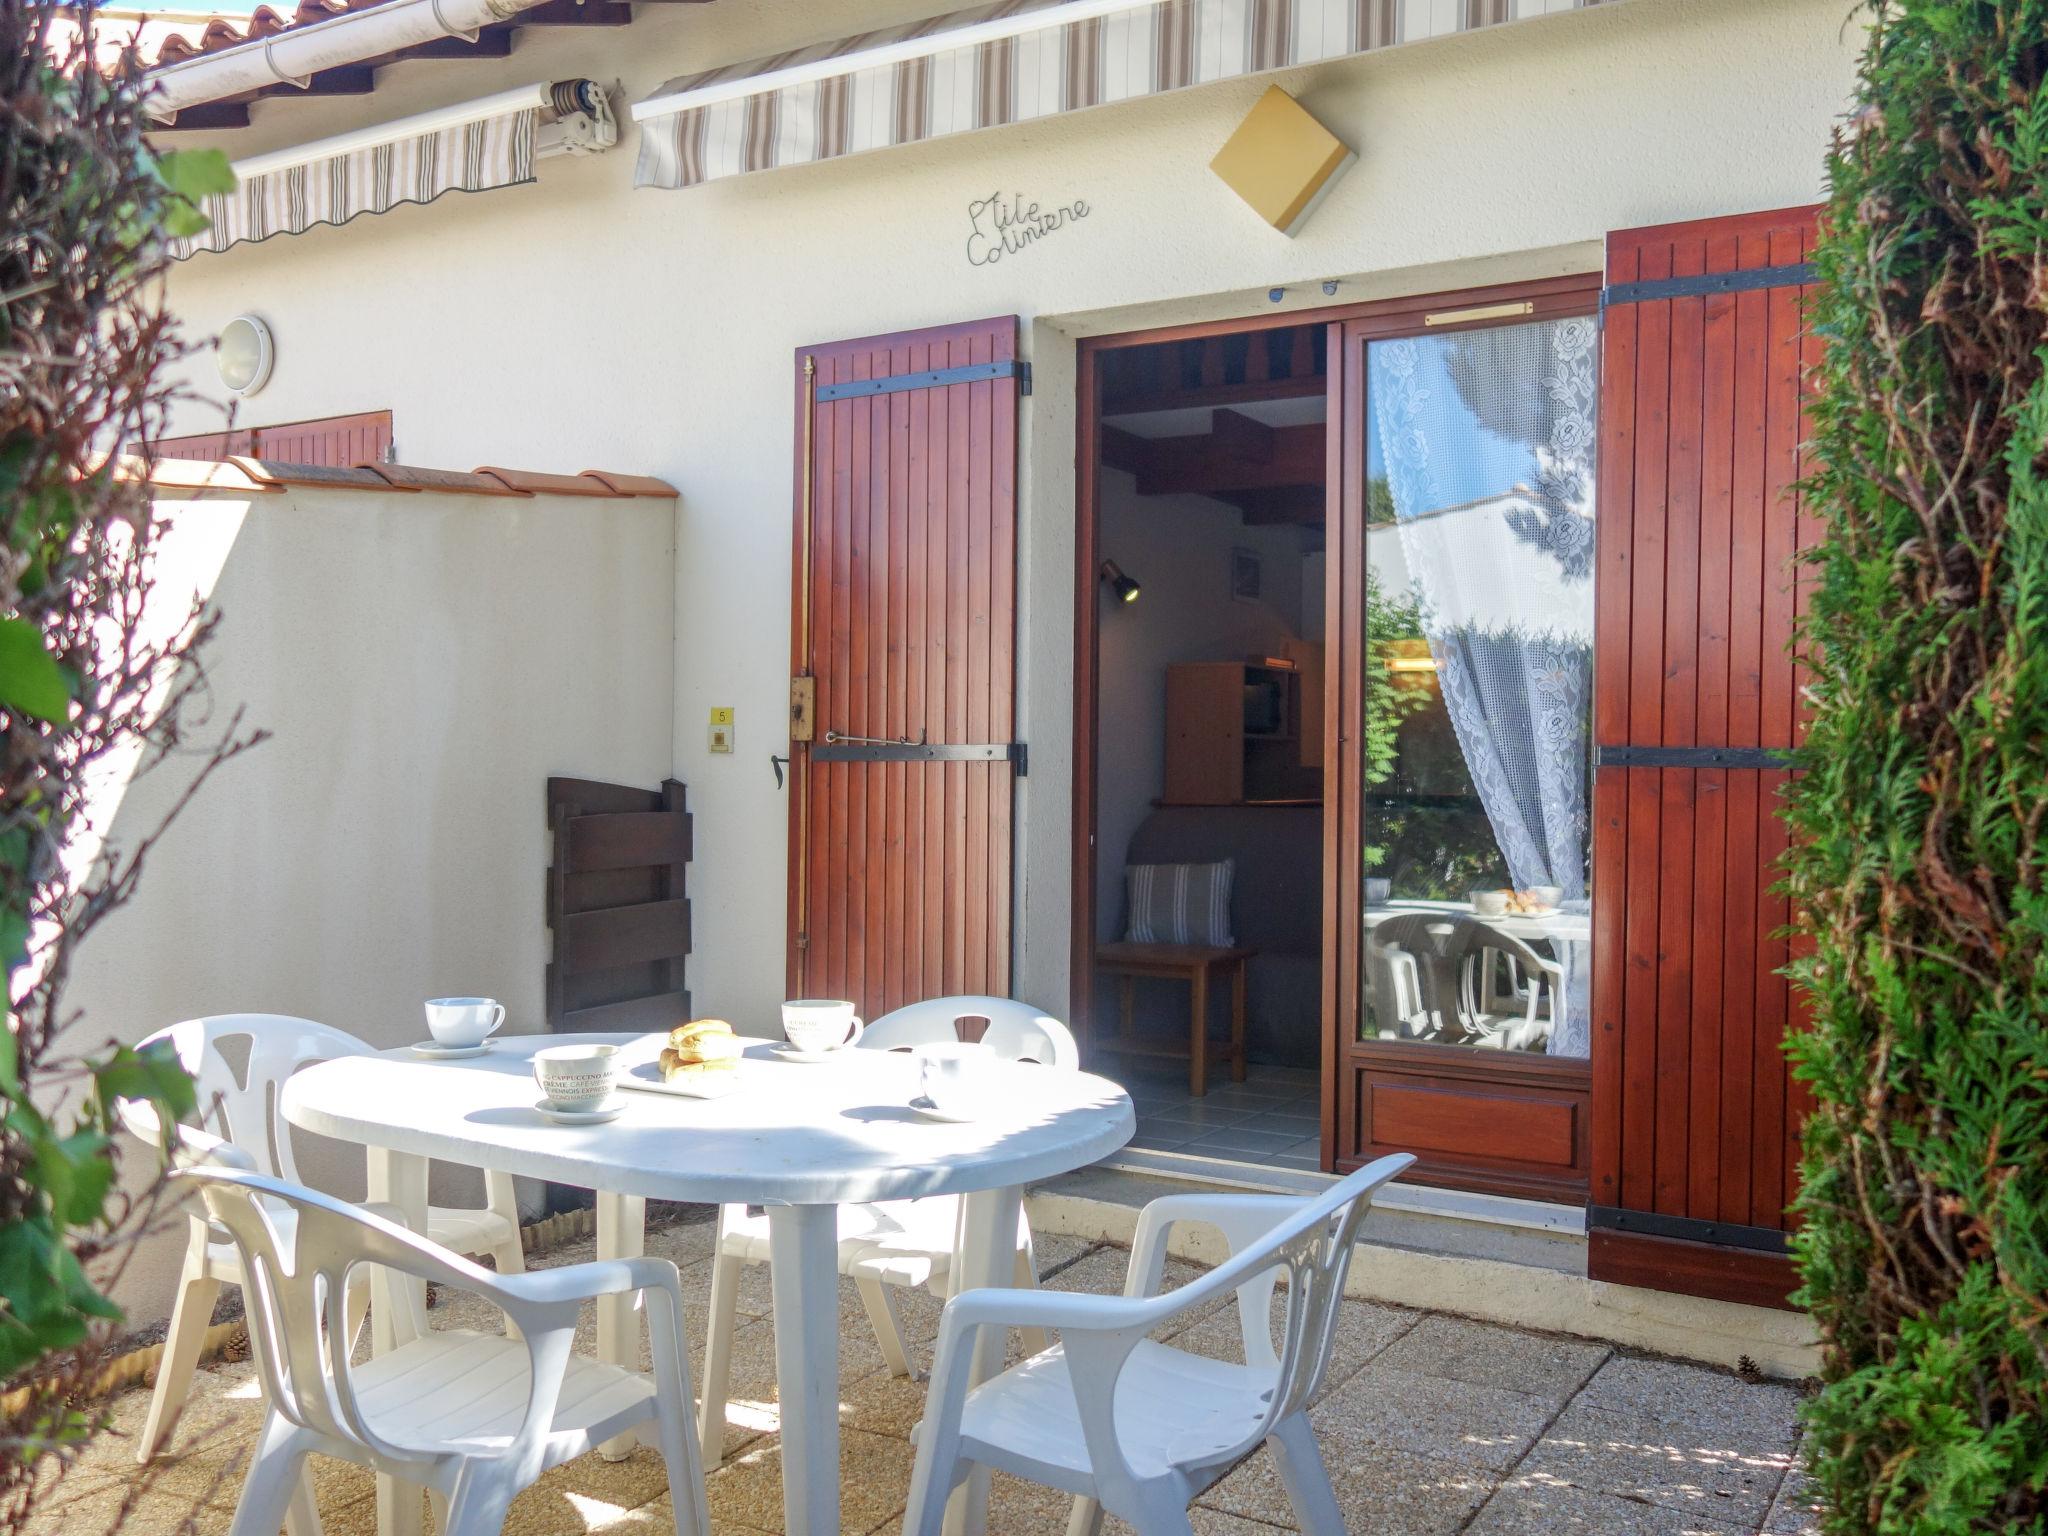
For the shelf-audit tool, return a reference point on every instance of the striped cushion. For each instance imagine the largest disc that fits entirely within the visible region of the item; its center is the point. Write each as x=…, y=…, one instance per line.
x=1180, y=903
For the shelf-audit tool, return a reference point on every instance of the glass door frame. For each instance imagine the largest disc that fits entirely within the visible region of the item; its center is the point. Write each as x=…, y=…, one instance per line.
x=1477, y=1119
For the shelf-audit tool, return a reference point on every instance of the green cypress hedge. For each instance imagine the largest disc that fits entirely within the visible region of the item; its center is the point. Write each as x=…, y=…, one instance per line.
x=1921, y=821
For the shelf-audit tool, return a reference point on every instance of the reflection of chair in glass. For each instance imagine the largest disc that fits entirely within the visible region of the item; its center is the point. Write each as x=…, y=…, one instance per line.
x=1401, y=958
x=1507, y=992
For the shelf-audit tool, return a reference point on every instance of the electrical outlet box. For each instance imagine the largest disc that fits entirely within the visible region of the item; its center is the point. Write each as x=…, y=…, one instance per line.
x=721, y=729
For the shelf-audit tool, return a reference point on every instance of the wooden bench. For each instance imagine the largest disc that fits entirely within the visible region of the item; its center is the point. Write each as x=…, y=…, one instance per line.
x=1196, y=966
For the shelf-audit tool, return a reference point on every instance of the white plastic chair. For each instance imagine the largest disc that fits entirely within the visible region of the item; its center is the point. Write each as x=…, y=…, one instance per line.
x=1134, y=1427
x=892, y=1242
x=471, y=1417
x=246, y=1131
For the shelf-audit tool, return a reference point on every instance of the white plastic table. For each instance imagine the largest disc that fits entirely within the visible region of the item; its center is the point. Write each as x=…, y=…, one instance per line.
x=800, y=1140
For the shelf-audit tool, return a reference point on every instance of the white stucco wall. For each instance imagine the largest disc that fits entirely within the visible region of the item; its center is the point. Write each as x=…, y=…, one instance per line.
x=423, y=664
x=578, y=323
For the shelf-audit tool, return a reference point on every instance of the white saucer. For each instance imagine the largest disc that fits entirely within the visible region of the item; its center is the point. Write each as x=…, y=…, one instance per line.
x=598, y=1116
x=931, y=1111
x=434, y=1050
x=784, y=1051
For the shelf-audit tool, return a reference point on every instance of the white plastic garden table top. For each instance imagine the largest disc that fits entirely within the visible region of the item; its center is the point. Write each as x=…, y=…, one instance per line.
x=790, y=1133
x=799, y=1139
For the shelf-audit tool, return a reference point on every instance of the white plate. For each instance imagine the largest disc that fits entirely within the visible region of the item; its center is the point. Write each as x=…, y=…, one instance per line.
x=434, y=1050
x=645, y=1077
x=783, y=1050
x=597, y=1116
x=931, y=1111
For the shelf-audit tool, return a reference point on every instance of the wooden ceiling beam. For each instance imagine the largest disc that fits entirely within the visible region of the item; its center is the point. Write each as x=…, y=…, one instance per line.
x=208, y=115
x=1126, y=450
x=1207, y=466
x=1292, y=387
x=342, y=80
x=568, y=13
x=1242, y=436
x=490, y=43
x=1302, y=505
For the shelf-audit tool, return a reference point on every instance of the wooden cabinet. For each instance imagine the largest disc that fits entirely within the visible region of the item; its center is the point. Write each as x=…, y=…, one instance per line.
x=1233, y=735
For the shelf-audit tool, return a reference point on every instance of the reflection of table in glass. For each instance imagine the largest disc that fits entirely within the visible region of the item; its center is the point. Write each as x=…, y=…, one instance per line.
x=1557, y=927
x=1436, y=970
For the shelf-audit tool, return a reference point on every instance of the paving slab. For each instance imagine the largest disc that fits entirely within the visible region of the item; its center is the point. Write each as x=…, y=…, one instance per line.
x=1693, y=1397
x=1484, y=1428
x=874, y=1482
x=1460, y=1350
x=1539, y=1506
x=1796, y=1510
x=1699, y=1472
x=1387, y=1492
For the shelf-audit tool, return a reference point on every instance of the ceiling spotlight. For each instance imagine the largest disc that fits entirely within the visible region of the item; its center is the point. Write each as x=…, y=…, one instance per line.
x=1275, y=295
x=1124, y=587
x=1329, y=287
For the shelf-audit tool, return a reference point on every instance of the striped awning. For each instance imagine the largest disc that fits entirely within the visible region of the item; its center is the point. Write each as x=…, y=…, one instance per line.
x=470, y=157
x=474, y=146
x=1007, y=63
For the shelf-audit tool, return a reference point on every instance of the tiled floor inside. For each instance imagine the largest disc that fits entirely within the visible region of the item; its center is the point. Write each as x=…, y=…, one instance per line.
x=1430, y=1425
x=1273, y=1117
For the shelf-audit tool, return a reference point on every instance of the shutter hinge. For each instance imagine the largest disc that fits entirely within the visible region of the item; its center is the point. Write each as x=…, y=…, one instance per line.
x=1023, y=378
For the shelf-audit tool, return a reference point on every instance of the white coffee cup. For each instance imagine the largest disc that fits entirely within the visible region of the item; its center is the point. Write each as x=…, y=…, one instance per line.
x=955, y=1076
x=460, y=1021
x=819, y=1024
x=576, y=1077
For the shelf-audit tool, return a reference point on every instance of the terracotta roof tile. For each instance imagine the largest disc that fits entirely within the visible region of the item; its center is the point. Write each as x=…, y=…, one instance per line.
x=631, y=485
x=222, y=32
x=250, y=474
x=560, y=485
x=272, y=472
x=407, y=477
x=197, y=475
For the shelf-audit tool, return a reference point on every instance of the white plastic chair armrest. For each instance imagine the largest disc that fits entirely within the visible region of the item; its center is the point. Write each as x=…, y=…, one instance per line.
x=1000, y=1307
x=190, y=1146
x=583, y=1282
x=1242, y=1219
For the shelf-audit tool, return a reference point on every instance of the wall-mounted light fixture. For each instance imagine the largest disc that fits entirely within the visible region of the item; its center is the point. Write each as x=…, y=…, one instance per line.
x=244, y=355
x=1125, y=589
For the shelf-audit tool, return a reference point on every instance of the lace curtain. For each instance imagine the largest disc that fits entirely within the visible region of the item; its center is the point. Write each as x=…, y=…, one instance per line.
x=1485, y=439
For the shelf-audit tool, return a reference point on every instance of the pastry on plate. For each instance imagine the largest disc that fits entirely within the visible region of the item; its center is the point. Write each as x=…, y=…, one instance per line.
x=700, y=1048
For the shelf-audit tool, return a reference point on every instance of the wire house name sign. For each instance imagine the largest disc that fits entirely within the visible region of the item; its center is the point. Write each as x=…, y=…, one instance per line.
x=1004, y=224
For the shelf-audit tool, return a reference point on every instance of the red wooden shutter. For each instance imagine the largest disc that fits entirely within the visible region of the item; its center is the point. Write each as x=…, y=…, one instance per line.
x=336, y=441
x=900, y=836
x=1695, y=1115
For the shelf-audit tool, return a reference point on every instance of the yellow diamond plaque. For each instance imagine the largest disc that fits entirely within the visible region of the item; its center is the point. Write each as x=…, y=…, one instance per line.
x=1281, y=161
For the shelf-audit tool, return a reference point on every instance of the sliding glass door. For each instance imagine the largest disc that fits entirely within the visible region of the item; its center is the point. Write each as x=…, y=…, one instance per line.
x=1464, y=610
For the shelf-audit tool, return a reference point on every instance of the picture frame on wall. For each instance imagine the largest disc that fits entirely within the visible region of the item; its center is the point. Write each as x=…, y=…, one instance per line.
x=1246, y=576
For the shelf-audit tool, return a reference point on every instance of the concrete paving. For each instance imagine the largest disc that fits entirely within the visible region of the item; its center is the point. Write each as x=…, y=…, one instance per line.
x=1431, y=1425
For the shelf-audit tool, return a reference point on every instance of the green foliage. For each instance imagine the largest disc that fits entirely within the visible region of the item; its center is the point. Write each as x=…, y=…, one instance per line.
x=1919, y=870
x=1389, y=698
x=85, y=207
